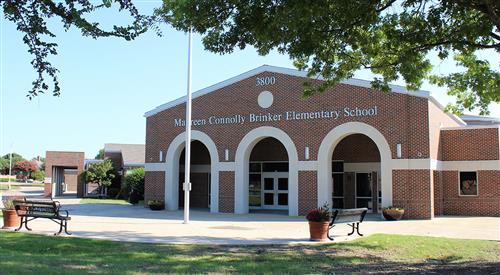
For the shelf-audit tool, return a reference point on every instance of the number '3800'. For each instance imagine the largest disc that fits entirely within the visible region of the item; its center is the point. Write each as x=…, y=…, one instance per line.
x=264, y=81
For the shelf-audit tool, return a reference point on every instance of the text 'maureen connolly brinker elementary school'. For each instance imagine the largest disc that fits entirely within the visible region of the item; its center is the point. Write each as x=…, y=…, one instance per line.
x=259, y=146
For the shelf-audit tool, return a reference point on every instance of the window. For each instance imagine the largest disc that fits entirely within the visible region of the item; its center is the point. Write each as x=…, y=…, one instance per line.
x=467, y=184
x=338, y=184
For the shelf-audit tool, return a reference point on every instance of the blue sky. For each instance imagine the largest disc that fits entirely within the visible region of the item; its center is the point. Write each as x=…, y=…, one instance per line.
x=107, y=85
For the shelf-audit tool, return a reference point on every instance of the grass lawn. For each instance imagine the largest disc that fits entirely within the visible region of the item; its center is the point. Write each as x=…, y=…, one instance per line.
x=104, y=201
x=22, y=253
x=6, y=187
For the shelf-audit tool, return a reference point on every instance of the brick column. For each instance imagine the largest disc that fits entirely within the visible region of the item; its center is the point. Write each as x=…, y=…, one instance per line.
x=226, y=192
x=308, y=191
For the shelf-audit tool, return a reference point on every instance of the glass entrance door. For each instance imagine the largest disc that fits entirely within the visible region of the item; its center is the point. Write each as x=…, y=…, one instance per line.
x=275, y=190
x=364, y=190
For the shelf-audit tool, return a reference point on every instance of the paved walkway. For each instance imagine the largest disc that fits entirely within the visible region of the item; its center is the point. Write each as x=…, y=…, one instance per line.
x=138, y=224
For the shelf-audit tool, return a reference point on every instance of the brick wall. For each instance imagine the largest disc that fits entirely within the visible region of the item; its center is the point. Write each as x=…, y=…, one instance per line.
x=470, y=144
x=226, y=192
x=487, y=203
x=308, y=191
x=356, y=148
x=411, y=189
x=155, y=186
x=438, y=192
x=269, y=149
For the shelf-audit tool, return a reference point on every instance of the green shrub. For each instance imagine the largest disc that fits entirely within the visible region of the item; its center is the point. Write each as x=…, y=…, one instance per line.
x=38, y=175
x=113, y=192
x=134, y=181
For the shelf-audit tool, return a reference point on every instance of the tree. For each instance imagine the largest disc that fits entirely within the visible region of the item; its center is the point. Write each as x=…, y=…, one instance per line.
x=101, y=174
x=100, y=154
x=40, y=161
x=4, y=166
x=31, y=17
x=24, y=168
x=5, y=162
x=334, y=39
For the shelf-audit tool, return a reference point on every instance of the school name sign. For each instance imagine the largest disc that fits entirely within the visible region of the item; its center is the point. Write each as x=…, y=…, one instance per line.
x=284, y=116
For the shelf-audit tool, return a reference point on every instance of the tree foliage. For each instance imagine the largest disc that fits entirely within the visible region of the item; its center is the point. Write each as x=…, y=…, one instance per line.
x=38, y=175
x=25, y=168
x=100, y=154
x=31, y=17
x=134, y=180
x=334, y=39
x=4, y=166
x=5, y=162
x=101, y=174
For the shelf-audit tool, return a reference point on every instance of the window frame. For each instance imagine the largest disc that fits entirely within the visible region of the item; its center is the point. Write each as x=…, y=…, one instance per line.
x=477, y=183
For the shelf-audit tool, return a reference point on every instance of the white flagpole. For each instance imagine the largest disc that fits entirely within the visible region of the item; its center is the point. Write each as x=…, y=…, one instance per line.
x=187, y=163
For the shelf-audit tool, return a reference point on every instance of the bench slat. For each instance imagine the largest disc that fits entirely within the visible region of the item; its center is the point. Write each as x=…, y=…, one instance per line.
x=348, y=215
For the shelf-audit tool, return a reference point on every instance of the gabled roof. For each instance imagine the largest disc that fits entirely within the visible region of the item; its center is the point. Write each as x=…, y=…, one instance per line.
x=132, y=154
x=280, y=70
x=291, y=72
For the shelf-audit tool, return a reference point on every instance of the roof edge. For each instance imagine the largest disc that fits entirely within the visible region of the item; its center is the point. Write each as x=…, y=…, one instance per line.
x=470, y=127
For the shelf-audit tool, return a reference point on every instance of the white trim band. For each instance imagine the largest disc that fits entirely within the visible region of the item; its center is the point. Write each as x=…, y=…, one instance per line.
x=155, y=166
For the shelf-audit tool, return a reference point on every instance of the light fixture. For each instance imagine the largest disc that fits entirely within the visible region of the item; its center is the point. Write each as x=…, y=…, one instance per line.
x=306, y=153
x=161, y=156
x=226, y=154
x=398, y=150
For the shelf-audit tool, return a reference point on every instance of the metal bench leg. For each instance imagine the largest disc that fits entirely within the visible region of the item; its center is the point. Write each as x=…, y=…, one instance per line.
x=357, y=229
x=353, y=225
x=60, y=229
x=66, y=227
x=26, y=224
x=21, y=224
x=328, y=233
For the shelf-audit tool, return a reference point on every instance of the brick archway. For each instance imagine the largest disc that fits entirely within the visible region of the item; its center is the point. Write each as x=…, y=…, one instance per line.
x=325, y=153
x=172, y=172
x=242, y=167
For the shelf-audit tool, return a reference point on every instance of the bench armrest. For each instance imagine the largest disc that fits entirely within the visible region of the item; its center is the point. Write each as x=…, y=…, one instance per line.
x=334, y=216
x=65, y=212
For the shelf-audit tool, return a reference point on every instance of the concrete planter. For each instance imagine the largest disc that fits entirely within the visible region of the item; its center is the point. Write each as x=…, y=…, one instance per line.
x=393, y=214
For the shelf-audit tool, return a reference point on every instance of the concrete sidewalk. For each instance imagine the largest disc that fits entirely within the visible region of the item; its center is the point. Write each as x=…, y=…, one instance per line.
x=138, y=224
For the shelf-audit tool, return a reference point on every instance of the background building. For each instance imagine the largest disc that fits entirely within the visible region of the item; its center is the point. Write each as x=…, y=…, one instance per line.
x=64, y=169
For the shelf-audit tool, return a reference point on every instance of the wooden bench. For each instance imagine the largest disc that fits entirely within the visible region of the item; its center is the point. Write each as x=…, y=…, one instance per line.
x=30, y=210
x=352, y=217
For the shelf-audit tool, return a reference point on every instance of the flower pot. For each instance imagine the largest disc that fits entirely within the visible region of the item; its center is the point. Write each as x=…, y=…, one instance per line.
x=393, y=214
x=157, y=207
x=10, y=219
x=318, y=231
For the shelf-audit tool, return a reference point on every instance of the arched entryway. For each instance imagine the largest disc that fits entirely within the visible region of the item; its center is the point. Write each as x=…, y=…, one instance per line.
x=355, y=174
x=199, y=196
x=268, y=176
x=242, y=168
x=325, y=163
x=172, y=175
